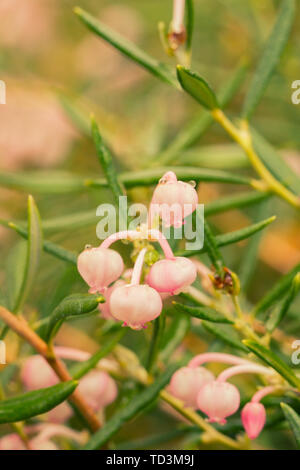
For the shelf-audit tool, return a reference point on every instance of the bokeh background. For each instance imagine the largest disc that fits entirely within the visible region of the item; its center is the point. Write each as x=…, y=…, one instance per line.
x=51, y=63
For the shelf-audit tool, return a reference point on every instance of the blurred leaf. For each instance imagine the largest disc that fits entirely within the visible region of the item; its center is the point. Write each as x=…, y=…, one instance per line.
x=43, y=182
x=270, y=57
x=34, y=248
x=75, y=113
x=294, y=421
x=135, y=406
x=240, y=200
x=232, y=237
x=279, y=313
x=226, y=333
x=204, y=313
x=194, y=129
x=173, y=335
x=274, y=361
x=35, y=403
x=197, y=88
x=156, y=339
x=15, y=266
x=79, y=370
x=126, y=47
x=277, y=290
x=275, y=163
x=70, y=307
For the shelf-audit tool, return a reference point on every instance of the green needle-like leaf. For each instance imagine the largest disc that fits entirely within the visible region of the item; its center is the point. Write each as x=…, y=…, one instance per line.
x=225, y=333
x=204, y=313
x=197, y=88
x=34, y=248
x=35, y=403
x=294, y=421
x=274, y=361
x=270, y=57
x=279, y=313
x=136, y=405
x=126, y=47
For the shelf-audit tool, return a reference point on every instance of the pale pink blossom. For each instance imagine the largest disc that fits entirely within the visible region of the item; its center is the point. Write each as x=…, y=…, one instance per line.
x=99, y=267
x=187, y=382
x=218, y=400
x=172, y=200
x=105, y=308
x=172, y=275
x=99, y=389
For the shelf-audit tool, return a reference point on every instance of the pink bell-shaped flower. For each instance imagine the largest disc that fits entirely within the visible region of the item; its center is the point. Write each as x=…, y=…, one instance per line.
x=172, y=275
x=218, y=400
x=135, y=305
x=104, y=308
x=99, y=389
x=173, y=200
x=187, y=382
x=253, y=419
x=99, y=267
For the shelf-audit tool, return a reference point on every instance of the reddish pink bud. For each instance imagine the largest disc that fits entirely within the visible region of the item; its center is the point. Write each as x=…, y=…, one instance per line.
x=218, y=400
x=173, y=200
x=104, y=308
x=172, y=275
x=253, y=419
x=99, y=389
x=187, y=382
x=135, y=305
x=99, y=267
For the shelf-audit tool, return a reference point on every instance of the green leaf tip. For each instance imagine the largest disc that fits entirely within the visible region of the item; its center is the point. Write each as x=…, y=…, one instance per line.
x=197, y=87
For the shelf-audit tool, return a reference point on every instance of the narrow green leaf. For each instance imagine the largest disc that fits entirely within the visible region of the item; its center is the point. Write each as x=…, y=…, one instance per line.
x=197, y=88
x=34, y=248
x=79, y=370
x=70, y=307
x=225, y=333
x=270, y=57
x=189, y=23
x=274, y=361
x=294, y=421
x=174, y=335
x=43, y=182
x=232, y=237
x=15, y=266
x=277, y=291
x=237, y=201
x=77, y=116
x=194, y=129
x=278, y=314
x=275, y=163
x=157, y=334
x=126, y=47
x=204, y=313
x=35, y=403
x=211, y=247
x=136, y=405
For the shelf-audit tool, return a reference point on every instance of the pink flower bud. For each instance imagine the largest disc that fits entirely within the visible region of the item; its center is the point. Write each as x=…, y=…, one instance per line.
x=104, y=308
x=187, y=382
x=98, y=389
x=173, y=200
x=135, y=305
x=172, y=275
x=99, y=267
x=218, y=400
x=253, y=419
x=12, y=442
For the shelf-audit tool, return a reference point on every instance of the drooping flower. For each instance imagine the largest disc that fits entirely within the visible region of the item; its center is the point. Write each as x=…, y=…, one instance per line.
x=99, y=267
x=253, y=418
x=173, y=200
x=172, y=275
x=105, y=308
x=187, y=382
x=218, y=400
x=135, y=304
x=99, y=389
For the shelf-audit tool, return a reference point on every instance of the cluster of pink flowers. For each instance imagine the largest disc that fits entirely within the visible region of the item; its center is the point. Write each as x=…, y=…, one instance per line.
x=136, y=304
x=198, y=388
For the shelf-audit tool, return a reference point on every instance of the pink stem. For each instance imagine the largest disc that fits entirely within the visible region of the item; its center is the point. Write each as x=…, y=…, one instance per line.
x=133, y=234
x=217, y=357
x=262, y=393
x=178, y=15
x=243, y=369
x=49, y=430
x=157, y=235
x=71, y=353
x=137, y=269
